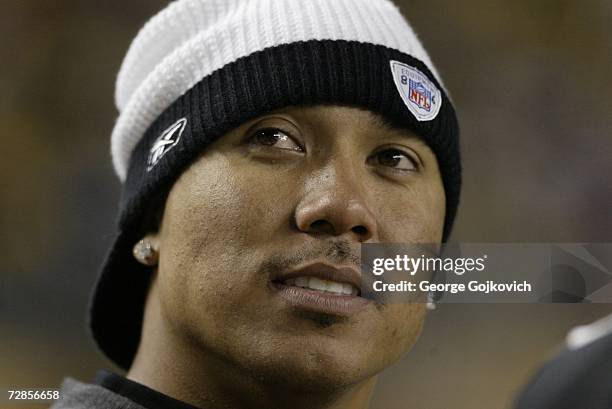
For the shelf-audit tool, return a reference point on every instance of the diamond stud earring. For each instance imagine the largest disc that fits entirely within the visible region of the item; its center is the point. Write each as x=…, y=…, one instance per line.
x=144, y=252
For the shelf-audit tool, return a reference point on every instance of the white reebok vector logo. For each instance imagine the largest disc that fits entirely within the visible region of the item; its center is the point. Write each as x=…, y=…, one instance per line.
x=166, y=141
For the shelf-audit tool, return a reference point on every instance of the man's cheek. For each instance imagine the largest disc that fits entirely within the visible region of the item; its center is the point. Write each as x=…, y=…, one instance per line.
x=418, y=221
x=262, y=212
x=204, y=225
x=402, y=328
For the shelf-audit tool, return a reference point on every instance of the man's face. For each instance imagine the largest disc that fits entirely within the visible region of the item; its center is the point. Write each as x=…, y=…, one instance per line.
x=272, y=204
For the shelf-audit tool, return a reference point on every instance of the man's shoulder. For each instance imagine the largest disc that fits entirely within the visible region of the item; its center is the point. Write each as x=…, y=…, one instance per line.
x=579, y=377
x=79, y=395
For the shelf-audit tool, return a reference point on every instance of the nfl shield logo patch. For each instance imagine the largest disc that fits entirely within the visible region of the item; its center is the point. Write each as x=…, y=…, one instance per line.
x=420, y=95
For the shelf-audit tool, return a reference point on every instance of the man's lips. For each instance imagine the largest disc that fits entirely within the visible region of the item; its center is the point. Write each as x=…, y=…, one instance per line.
x=324, y=272
x=321, y=287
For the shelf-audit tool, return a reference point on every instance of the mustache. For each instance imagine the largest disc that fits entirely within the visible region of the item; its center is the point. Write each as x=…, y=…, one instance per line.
x=337, y=251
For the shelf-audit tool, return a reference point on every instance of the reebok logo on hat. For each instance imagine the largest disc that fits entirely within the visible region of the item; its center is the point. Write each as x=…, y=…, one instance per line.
x=166, y=141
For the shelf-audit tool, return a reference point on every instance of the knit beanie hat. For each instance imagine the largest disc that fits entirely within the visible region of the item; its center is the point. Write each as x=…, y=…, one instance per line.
x=200, y=68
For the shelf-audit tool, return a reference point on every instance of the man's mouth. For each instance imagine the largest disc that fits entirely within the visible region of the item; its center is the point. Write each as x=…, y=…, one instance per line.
x=321, y=288
x=326, y=286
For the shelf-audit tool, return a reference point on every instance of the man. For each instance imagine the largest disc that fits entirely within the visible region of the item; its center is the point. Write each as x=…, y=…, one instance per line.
x=260, y=143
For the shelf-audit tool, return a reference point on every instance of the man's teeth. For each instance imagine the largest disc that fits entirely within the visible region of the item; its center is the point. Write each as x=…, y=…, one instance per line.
x=315, y=283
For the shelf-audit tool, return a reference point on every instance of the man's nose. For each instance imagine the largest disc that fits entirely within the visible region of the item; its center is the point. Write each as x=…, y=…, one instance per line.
x=334, y=205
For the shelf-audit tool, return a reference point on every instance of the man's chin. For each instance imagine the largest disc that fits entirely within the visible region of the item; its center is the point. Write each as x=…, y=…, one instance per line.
x=311, y=377
x=319, y=365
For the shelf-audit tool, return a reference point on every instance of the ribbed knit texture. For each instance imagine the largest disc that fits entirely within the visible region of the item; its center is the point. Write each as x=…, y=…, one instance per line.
x=190, y=39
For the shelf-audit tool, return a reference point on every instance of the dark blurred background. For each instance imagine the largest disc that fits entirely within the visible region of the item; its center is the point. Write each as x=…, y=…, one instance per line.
x=530, y=79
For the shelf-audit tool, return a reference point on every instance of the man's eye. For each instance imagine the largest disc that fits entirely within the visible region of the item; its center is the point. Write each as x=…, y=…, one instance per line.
x=275, y=138
x=394, y=158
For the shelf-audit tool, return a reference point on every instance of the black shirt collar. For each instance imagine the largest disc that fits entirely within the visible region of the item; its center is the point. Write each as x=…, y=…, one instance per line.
x=140, y=394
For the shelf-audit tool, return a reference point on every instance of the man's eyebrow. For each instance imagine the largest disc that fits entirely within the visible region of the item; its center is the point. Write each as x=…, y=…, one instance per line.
x=387, y=124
